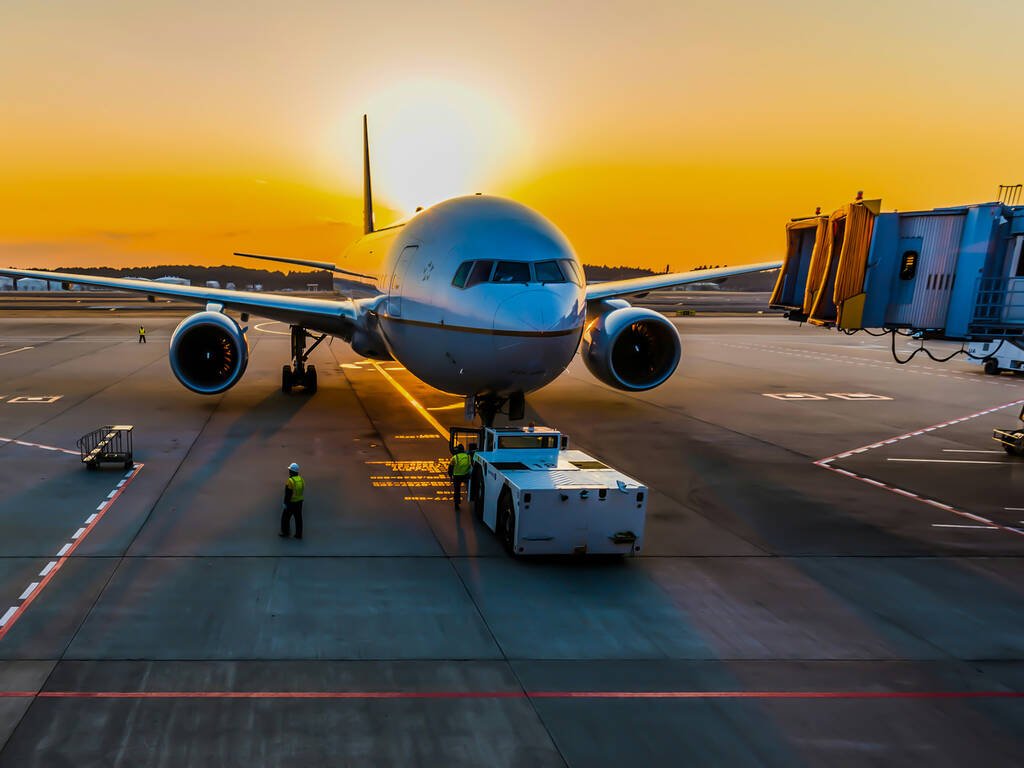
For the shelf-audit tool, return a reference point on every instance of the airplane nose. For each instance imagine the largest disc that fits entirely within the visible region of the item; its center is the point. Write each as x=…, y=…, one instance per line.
x=537, y=310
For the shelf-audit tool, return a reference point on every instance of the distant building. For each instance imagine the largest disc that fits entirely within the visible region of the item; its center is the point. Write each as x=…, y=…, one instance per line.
x=6, y=283
x=230, y=286
x=173, y=280
x=212, y=284
x=35, y=284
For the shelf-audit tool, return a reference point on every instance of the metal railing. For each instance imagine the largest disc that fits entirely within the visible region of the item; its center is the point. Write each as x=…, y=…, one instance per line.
x=999, y=308
x=112, y=443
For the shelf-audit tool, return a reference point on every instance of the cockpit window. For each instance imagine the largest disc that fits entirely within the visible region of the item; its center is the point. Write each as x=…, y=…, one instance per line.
x=459, y=281
x=572, y=271
x=481, y=273
x=548, y=272
x=512, y=272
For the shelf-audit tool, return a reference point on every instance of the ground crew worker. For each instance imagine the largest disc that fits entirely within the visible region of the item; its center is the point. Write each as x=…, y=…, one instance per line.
x=458, y=470
x=294, y=491
x=142, y=334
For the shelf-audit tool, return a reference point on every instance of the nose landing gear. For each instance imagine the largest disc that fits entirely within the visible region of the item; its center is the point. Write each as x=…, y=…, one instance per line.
x=489, y=406
x=298, y=374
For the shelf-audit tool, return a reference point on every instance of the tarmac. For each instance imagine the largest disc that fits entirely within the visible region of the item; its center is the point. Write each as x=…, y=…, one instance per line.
x=832, y=569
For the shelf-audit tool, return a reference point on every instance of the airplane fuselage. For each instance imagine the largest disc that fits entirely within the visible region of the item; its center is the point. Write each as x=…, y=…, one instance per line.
x=482, y=296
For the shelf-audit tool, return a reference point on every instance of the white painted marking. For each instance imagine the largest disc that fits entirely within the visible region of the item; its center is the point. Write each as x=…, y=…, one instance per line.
x=12, y=351
x=7, y=616
x=952, y=461
x=128, y=475
x=121, y=483
x=112, y=494
x=965, y=450
x=90, y=518
x=801, y=396
x=977, y=527
x=49, y=567
x=29, y=590
x=44, y=399
x=1014, y=509
x=47, y=447
x=101, y=506
x=78, y=533
x=857, y=396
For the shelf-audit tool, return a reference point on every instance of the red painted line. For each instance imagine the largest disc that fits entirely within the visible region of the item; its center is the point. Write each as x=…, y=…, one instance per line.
x=922, y=429
x=369, y=695
x=67, y=554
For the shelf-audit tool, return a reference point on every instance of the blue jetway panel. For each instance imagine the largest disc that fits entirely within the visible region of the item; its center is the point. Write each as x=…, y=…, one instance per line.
x=925, y=268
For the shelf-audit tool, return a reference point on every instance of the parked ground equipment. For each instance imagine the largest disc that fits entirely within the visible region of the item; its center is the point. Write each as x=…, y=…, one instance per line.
x=541, y=497
x=107, y=445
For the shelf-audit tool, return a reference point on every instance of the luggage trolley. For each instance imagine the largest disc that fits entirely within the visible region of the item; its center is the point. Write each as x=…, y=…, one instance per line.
x=111, y=444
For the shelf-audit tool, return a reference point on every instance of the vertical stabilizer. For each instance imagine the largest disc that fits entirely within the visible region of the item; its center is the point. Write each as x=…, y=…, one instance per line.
x=367, y=191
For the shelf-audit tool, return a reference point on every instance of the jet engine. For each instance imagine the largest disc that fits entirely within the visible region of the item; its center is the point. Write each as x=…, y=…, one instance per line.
x=209, y=352
x=631, y=348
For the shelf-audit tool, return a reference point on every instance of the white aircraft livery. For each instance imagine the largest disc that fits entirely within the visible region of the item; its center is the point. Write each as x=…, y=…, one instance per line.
x=478, y=296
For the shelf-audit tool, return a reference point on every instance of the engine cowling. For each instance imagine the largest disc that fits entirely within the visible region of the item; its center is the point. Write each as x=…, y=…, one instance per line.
x=209, y=352
x=631, y=348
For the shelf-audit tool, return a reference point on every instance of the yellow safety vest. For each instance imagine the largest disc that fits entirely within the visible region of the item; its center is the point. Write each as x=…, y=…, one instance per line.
x=461, y=464
x=298, y=485
x=142, y=331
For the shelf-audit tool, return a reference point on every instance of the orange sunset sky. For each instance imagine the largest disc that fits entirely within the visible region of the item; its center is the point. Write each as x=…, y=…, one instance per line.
x=651, y=133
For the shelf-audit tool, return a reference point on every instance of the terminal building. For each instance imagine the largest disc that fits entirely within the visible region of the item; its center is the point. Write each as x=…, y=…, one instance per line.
x=949, y=273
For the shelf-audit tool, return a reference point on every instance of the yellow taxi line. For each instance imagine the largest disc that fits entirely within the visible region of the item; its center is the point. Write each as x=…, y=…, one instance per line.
x=441, y=431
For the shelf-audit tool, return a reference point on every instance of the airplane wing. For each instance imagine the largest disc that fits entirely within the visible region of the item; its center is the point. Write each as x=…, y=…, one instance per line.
x=642, y=285
x=325, y=315
x=325, y=265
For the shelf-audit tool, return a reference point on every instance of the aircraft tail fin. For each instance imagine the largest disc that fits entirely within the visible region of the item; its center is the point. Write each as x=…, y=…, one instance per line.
x=367, y=191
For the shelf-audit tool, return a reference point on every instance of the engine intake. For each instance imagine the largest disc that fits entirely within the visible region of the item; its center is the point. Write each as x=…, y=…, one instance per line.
x=209, y=352
x=631, y=348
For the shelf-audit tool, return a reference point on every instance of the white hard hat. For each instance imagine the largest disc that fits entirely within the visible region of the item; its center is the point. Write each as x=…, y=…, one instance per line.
x=293, y=467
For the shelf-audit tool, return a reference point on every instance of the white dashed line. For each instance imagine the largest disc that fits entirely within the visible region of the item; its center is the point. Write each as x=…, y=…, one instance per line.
x=976, y=527
x=29, y=590
x=951, y=461
x=50, y=570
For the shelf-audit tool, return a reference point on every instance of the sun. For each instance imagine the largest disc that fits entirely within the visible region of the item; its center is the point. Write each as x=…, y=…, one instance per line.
x=431, y=139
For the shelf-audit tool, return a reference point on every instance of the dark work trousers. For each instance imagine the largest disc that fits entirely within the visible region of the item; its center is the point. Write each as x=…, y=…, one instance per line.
x=457, y=482
x=142, y=338
x=292, y=509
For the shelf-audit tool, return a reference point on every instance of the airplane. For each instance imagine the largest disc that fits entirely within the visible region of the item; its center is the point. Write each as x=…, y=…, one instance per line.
x=478, y=296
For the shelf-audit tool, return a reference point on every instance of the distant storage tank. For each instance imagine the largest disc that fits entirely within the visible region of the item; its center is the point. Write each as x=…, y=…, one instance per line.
x=173, y=280
x=212, y=284
x=6, y=283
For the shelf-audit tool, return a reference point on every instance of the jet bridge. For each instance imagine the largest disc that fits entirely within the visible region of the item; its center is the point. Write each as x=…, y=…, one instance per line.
x=955, y=274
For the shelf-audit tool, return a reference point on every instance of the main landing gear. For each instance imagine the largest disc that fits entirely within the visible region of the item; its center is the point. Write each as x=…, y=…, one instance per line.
x=298, y=374
x=489, y=406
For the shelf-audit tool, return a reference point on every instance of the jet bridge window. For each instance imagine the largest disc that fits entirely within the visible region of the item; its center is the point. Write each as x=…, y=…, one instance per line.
x=548, y=272
x=908, y=265
x=512, y=272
